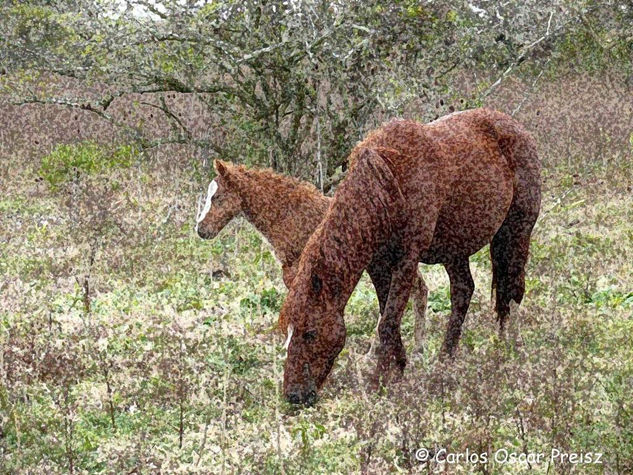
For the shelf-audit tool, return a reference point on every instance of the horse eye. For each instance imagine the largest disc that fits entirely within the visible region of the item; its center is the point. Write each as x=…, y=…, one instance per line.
x=310, y=335
x=317, y=283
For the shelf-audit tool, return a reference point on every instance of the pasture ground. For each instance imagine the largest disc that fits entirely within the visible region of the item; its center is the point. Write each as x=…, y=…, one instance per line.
x=127, y=344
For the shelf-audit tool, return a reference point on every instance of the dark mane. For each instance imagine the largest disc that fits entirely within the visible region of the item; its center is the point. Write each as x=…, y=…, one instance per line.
x=361, y=215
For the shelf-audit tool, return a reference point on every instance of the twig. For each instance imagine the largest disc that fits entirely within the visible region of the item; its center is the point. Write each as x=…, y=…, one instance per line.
x=176, y=122
x=224, y=403
x=259, y=52
x=518, y=60
x=525, y=97
x=318, y=153
x=279, y=424
x=87, y=106
x=204, y=441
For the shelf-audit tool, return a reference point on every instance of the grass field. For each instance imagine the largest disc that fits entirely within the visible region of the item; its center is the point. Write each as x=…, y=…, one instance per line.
x=130, y=345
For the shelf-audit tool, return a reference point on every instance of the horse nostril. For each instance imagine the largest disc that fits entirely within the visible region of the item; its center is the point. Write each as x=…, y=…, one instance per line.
x=311, y=398
x=294, y=397
x=203, y=234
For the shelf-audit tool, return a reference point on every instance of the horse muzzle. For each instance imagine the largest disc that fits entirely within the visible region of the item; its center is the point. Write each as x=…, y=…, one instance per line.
x=298, y=396
x=205, y=234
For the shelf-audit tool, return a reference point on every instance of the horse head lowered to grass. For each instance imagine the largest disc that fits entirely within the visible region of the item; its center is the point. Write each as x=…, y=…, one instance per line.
x=434, y=193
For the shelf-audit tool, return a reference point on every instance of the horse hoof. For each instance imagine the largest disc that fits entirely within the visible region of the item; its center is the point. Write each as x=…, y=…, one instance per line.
x=447, y=354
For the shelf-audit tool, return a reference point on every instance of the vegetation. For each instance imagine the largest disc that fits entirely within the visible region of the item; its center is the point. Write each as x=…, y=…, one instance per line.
x=128, y=344
x=291, y=85
x=68, y=161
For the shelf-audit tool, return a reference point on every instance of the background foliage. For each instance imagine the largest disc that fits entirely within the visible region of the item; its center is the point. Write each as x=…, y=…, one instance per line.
x=292, y=84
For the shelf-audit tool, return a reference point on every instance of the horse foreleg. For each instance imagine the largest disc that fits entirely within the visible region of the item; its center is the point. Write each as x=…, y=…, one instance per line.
x=462, y=288
x=379, y=271
x=289, y=273
x=419, y=297
x=391, y=349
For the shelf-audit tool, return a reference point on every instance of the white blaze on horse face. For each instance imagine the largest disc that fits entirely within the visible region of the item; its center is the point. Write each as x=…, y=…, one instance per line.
x=291, y=330
x=213, y=187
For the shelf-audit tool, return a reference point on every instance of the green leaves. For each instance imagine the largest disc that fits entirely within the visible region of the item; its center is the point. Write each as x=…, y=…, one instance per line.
x=268, y=300
x=66, y=162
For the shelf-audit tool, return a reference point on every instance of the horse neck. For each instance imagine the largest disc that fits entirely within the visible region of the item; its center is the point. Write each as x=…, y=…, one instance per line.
x=284, y=214
x=362, y=217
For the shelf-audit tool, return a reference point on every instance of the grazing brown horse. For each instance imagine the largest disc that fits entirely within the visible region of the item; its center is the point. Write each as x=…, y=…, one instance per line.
x=286, y=211
x=435, y=193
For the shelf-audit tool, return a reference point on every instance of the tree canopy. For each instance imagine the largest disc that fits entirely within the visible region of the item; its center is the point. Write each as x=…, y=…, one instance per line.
x=291, y=84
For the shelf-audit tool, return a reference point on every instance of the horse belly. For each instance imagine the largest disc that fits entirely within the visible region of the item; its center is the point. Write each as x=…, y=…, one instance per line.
x=476, y=206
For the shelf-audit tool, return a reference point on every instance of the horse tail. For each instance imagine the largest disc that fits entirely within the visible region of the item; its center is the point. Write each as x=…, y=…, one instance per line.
x=509, y=253
x=510, y=246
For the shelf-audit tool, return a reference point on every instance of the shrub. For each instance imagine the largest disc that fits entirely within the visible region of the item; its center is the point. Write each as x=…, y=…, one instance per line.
x=68, y=161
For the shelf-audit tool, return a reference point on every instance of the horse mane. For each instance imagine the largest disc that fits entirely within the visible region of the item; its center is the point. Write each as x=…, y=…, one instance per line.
x=387, y=143
x=364, y=211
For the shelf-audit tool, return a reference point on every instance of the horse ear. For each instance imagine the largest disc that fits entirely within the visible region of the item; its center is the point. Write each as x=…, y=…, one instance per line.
x=222, y=168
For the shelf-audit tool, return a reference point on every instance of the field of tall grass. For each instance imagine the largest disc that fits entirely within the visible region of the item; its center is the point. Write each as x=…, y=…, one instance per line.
x=129, y=345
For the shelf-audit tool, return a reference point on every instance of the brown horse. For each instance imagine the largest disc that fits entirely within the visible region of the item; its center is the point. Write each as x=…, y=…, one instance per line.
x=434, y=193
x=286, y=211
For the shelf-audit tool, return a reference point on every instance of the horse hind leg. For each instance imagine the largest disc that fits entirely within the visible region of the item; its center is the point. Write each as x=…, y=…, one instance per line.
x=462, y=288
x=509, y=253
x=419, y=297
